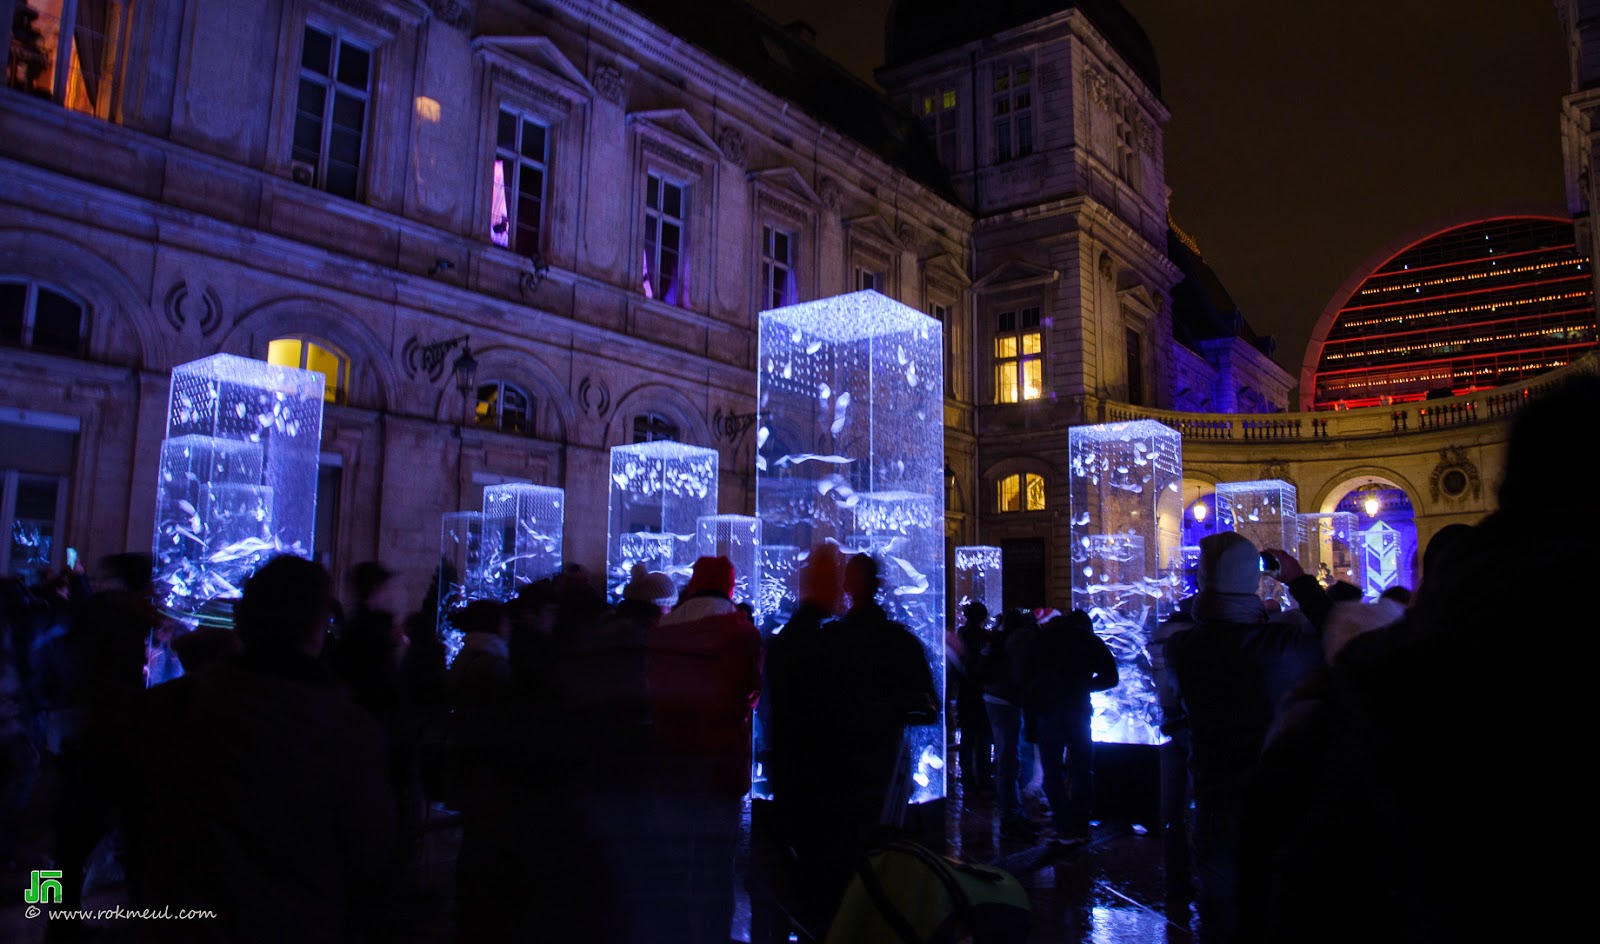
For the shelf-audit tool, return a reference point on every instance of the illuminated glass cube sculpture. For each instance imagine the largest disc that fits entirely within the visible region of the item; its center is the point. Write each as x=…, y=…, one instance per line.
x=850, y=450
x=471, y=562
x=1266, y=512
x=531, y=516
x=738, y=538
x=659, y=493
x=1126, y=512
x=776, y=570
x=1190, y=558
x=1330, y=548
x=977, y=580
x=238, y=480
x=1380, y=550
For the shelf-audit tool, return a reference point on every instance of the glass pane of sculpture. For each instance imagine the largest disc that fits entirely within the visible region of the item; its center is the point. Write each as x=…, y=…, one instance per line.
x=1126, y=510
x=738, y=538
x=238, y=480
x=531, y=516
x=977, y=580
x=850, y=450
x=1266, y=512
x=659, y=493
x=471, y=550
x=1330, y=548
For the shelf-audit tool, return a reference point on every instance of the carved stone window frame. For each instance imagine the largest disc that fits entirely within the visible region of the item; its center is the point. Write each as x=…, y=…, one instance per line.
x=783, y=200
x=674, y=148
x=560, y=104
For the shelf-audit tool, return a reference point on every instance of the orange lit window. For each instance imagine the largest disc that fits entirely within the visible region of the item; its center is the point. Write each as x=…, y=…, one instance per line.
x=308, y=355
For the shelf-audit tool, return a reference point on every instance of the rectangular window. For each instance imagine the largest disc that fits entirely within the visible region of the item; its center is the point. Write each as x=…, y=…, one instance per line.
x=939, y=120
x=79, y=66
x=1135, y=368
x=330, y=119
x=777, y=268
x=1018, y=357
x=330, y=481
x=1013, y=111
x=521, y=162
x=868, y=279
x=665, y=269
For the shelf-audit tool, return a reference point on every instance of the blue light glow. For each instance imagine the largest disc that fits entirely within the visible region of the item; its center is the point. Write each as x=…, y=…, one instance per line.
x=659, y=493
x=738, y=538
x=978, y=580
x=531, y=518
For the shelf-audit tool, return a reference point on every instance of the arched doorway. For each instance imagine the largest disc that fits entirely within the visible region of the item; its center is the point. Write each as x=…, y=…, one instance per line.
x=1199, y=521
x=1386, y=528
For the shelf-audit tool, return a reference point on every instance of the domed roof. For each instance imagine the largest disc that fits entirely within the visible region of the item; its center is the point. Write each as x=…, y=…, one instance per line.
x=920, y=28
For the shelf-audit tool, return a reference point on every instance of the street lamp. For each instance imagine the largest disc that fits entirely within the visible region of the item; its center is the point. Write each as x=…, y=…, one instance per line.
x=465, y=370
x=1199, y=511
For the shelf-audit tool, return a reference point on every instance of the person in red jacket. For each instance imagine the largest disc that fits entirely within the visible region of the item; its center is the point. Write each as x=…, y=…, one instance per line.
x=704, y=676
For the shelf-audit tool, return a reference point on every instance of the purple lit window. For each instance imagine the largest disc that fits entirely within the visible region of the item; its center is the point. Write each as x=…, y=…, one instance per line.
x=522, y=159
x=777, y=268
x=666, y=275
x=1013, y=111
x=330, y=117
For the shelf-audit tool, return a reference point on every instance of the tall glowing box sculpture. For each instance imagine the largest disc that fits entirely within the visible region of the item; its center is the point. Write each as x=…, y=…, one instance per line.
x=471, y=567
x=851, y=451
x=238, y=480
x=1330, y=548
x=659, y=493
x=738, y=538
x=977, y=580
x=1126, y=507
x=530, y=517
x=1266, y=512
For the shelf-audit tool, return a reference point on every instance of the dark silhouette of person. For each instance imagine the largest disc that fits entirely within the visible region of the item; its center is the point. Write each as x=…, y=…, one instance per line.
x=1233, y=668
x=703, y=669
x=977, y=737
x=264, y=792
x=1445, y=737
x=865, y=678
x=1068, y=662
x=1003, y=662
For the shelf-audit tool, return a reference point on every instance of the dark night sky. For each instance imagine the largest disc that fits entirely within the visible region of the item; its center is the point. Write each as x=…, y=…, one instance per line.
x=1307, y=136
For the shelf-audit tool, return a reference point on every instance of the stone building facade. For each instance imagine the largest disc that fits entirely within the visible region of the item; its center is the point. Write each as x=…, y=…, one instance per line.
x=598, y=197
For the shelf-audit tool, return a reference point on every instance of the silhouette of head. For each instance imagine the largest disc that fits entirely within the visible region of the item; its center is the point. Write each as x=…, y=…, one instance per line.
x=861, y=579
x=132, y=570
x=820, y=579
x=286, y=605
x=712, y=576
x=975, y=616
x=482, y=616
x=1229, y=563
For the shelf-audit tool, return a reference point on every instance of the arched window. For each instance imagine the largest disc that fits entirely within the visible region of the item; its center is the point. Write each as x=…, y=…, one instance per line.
x=1023, y=491
x=504, y=407
x=309, y=355
x=653, y=427
x=40, y=318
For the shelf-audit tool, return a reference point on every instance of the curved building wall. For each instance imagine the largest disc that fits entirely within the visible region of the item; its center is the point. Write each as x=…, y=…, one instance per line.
x=1468, y=308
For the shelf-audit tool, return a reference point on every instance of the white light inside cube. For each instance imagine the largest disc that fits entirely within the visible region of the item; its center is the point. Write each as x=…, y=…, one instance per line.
x=659, y=493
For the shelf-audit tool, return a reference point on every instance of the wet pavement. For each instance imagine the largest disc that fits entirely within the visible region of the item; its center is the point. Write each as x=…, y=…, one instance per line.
x=1111, y=890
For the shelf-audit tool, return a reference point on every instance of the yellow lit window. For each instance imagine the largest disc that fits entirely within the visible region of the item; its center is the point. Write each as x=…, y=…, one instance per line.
x=1018, y=356
x=308, y=355
x=1023, y=491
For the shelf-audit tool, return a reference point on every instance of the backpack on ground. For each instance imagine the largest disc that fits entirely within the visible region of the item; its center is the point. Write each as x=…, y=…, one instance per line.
x=904, y=893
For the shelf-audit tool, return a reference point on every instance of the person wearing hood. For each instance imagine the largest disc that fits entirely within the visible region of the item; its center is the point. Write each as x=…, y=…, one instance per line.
x=703, y=672
x=1233, y=668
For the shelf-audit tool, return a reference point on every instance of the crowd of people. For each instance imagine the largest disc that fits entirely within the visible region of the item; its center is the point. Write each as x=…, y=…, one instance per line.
x=1353, y=770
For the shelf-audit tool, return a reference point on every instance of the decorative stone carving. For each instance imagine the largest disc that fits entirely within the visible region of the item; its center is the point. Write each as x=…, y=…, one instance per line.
x=453, y=13
x=209, y=317
x=594, y=396
x=369, y=12
x=828, y=190
x=610, y=83
x=1275, y=469
x=1455, y=477
x=429, y=359
x=1099, y=87
x=731, y=141
x=1107, y=268
x=1144, y=134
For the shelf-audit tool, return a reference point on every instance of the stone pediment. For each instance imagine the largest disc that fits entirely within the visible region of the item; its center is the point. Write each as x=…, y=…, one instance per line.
x=537, y=57
x=1140, y=297
x=872, y=227
x=946, y=268
x=787, y=179
x=677, y=124
x=1016, y=273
